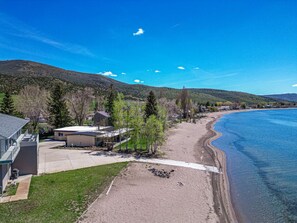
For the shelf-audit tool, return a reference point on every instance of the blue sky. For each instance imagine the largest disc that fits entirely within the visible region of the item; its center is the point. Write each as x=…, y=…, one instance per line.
x=246, y=46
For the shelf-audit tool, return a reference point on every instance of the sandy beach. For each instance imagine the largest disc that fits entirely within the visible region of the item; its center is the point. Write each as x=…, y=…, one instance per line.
x=188, y=195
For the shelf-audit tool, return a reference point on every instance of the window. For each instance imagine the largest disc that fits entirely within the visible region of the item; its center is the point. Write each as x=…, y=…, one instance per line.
x=4, y=145
x=60, y=134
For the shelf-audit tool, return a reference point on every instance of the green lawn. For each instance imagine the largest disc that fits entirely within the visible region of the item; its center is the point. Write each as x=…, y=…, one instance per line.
x=141, y=147
x=11, y=190
x=60, y=197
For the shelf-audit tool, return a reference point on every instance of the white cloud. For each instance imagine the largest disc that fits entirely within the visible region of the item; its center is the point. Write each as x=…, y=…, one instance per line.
x=174, y=26
x=139, y=32
x=123, y=73
x=157, y=71
x=294, y=85
x=108, y=74
x=196, y=68
x=138, y=81
x=14, y=27
x=214, y=77
x=181, y=68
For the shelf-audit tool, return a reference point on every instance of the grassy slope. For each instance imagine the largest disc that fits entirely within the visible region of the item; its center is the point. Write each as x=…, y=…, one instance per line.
x=60, y=197
x=141, y=147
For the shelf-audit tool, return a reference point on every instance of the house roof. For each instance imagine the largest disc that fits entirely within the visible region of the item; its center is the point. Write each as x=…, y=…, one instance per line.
x=10, y=125
x=80, y=128
x=117, y=132
x=94, y=134
x=103, y=113
x=77, y=128
x=102, y=134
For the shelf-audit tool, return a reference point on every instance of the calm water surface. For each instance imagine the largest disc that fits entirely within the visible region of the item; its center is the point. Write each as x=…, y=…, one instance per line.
x=261, y=148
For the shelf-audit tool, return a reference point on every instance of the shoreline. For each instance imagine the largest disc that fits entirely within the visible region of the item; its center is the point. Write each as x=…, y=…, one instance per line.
x=221, y=184
x=221, y=187
x=195, y=196
x=223, y=203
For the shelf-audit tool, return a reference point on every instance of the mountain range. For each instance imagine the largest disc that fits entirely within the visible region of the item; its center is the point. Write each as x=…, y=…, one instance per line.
x=283, y=97
x=19, y=73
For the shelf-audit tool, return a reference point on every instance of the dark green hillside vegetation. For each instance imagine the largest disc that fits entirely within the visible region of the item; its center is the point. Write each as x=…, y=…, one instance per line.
x=16, y=74
x=283, y=97
x=233, y=96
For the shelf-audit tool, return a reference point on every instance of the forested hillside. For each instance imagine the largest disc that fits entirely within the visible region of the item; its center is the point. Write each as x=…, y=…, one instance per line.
x=16, y=74
x=283, y=97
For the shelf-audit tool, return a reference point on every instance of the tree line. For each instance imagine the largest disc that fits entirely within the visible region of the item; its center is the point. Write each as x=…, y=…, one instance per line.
x=60, y=108
x=147, y=121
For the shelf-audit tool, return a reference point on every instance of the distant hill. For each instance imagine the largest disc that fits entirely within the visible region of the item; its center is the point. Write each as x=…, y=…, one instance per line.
x=19, y=73
x=283, y=97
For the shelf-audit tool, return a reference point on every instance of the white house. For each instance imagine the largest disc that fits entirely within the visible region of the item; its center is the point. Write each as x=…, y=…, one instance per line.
x=82, y=136
x=61, y=133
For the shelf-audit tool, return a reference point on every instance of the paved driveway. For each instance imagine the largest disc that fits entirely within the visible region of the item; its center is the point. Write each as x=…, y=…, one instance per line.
x=55, y=160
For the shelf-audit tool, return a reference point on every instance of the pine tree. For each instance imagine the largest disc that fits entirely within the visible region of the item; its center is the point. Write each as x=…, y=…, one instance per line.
x=57, y=107
x=7, y=106
x=96, y=106
x=111, y=97
x=184, y=98
x=151, y=107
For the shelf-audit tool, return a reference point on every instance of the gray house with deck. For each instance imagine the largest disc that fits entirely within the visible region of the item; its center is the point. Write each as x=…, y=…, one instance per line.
x=18, y=149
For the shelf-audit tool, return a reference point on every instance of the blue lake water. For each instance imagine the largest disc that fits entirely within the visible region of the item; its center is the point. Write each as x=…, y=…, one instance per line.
x=261, y=149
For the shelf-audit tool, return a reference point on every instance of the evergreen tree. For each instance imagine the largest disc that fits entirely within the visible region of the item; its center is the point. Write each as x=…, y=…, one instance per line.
x=7, y=106
x=151, y=107
x=57, y=107
x=96, y=106
x=184, y=101
x=111, y=97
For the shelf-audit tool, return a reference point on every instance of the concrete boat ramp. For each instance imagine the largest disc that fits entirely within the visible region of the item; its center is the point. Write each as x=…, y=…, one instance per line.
x=195, y=166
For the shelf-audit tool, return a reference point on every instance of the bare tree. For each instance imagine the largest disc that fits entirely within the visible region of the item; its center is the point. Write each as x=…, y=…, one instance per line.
x=31, y=101
x=99, y=102
x=170, y=106
x=79, y=103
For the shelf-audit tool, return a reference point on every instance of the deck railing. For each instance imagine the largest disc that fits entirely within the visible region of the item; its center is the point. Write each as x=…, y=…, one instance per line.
x=12, y=152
